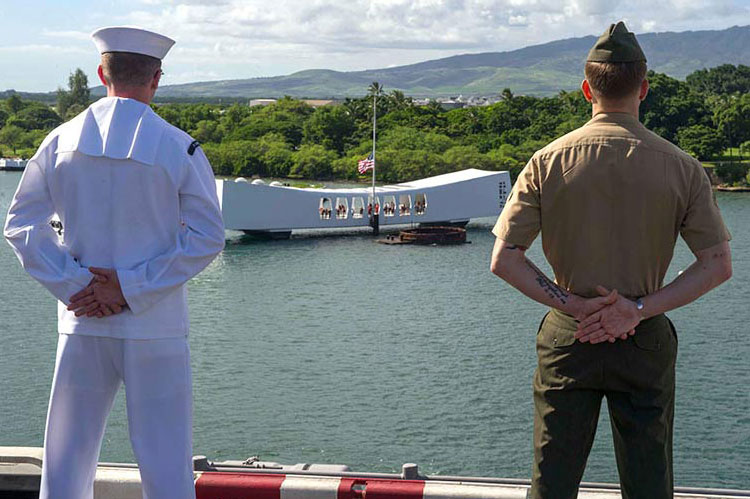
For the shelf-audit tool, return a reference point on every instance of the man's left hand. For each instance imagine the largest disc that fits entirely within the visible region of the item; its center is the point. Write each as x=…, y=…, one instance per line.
x=617, y=320
x=102, y=297
x=588, y=306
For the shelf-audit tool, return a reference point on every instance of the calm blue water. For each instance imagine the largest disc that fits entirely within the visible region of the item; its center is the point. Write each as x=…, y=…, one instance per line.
x=338, y=350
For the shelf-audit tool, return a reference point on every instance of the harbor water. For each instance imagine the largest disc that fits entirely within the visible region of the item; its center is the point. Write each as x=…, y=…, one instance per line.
x=334, y=349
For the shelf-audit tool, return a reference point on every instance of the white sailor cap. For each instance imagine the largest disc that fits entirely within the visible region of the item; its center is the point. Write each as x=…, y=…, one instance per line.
x=131, y=39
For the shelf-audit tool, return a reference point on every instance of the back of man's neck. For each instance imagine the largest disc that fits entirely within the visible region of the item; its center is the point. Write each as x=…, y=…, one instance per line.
x=599, y=109
x=128, y=93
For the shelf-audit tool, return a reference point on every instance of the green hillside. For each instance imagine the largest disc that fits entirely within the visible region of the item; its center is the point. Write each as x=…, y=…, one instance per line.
x=541, y=70
x=537, y=70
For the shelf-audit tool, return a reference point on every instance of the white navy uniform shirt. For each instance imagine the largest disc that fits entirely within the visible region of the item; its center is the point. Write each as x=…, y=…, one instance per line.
x=130, y=197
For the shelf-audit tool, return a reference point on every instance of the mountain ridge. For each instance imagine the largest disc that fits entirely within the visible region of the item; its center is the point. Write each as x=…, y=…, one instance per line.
x=543, y=69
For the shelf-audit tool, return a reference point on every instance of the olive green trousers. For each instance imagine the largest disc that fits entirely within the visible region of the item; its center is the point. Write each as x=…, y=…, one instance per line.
x=637, y=377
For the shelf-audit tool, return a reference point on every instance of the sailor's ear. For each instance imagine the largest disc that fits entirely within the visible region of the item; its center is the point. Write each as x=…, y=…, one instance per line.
x=100, y=72
x=156, y=79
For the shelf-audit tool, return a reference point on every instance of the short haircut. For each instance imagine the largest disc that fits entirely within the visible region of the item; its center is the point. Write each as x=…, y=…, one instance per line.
x=128, y=69
x=615, y=80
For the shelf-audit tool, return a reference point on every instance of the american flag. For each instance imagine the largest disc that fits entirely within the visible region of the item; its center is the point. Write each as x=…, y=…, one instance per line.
x=365, y=164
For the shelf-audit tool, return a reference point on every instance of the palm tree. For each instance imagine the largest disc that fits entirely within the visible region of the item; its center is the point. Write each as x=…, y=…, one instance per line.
x=375, y=89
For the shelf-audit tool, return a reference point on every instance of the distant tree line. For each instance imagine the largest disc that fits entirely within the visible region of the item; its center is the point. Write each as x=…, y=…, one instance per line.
x=708, y=115
x=25, y=123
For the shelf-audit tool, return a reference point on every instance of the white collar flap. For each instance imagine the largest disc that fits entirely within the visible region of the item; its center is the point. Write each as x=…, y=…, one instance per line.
x=115, y=128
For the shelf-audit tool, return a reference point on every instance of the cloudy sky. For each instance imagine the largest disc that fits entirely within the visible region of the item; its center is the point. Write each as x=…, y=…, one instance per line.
x=43, y=41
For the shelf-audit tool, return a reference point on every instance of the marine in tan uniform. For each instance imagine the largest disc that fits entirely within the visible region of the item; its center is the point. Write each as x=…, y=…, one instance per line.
x=610, y=200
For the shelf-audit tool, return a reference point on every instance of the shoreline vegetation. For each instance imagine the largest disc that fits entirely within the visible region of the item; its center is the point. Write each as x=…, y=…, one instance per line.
x=707, y=114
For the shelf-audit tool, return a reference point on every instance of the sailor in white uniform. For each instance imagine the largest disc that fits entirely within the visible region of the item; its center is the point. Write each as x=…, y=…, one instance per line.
x=140, y=216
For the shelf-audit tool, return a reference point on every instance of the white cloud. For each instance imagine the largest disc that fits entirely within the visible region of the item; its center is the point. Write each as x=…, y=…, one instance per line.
x=336, y=26
x=648, y=25
x=69, y=34
x=42, y=49
x=518, y=21
x=246, y=38
x=227, y=39
x=591, y=7
x=189, y=76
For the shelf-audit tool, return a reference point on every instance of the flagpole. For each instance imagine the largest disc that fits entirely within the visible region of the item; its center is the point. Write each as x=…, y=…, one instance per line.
x=375, y=216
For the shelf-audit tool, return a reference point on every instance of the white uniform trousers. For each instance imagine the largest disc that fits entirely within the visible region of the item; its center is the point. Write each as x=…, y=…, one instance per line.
x=158, y=390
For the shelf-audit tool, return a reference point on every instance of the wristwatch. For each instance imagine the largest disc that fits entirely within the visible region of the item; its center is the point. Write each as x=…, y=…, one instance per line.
x=639, y=305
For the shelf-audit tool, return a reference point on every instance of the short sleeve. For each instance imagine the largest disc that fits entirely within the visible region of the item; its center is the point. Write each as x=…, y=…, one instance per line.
x=520, y=221
x=702, y=226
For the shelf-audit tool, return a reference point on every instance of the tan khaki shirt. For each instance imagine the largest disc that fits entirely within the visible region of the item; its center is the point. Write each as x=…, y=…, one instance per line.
x=610, y=199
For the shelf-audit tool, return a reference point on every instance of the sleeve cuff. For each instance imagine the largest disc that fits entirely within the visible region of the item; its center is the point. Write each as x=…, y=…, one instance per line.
x=501, y=231
x=699, y=244
x=130, y=285
x=80, y=276
x=76, y=278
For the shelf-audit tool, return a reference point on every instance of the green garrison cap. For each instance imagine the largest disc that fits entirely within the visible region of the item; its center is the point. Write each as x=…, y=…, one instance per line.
x=617, y=44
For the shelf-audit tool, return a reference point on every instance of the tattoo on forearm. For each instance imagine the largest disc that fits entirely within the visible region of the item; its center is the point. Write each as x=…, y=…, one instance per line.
x=553, y=290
